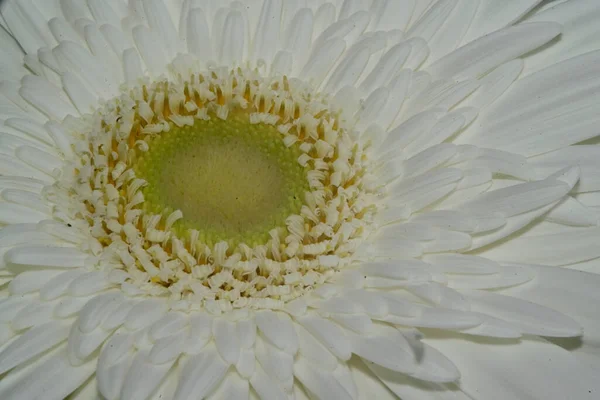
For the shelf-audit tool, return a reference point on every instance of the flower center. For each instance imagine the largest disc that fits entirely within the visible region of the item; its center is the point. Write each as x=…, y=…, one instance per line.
x=232, y=180
x=222, y=190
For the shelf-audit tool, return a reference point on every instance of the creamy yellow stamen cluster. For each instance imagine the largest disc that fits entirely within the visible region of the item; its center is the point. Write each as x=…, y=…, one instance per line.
x=121, y=187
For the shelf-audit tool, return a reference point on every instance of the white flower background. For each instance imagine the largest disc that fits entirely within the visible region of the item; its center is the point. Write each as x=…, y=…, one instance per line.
x=482, y=281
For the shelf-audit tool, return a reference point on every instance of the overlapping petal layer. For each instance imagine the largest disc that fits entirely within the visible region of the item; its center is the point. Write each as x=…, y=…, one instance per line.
x=482, y=118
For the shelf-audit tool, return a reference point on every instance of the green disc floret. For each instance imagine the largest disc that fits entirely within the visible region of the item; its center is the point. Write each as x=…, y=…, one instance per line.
x=233, y=181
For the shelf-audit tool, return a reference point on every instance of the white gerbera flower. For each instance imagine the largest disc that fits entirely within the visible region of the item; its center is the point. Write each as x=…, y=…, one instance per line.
x=269, y=199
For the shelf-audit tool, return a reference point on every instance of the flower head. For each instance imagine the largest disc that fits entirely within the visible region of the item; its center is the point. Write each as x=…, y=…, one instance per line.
x=299, y=199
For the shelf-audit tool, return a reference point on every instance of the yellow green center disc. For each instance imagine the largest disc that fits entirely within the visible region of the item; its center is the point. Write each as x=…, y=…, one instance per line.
x=232, y=180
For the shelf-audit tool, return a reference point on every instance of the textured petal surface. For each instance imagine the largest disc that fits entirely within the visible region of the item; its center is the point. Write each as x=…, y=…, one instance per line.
x=477, y=124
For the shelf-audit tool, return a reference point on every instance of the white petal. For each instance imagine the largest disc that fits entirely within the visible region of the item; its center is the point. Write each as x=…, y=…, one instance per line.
x=118, y=317
x=198, y=36
x=554, y=249
x=116, y=348
x=266, y=387
x=233, y=45
x=132, y=65
x=533, y=369
x=54, y=257
x=377, y=380
x=31, y=128
x=233, y=387
x=410, y=129
x=490, y=51
x=89, y=283
x=171, y=323
x=371, y=302
x=579, y=30
x=298, y=36
x=33, y=343
x=226, y=340
x=318, y=382
x=26, y=23
x=12, y=166
x=576, y=298
x=97, y=309
x=267, y=32
x=349, y=69
x=508, y=276
x=109, y=61
x=322, y=60
x=103, y=12
x=586, y=156
x=441, y=295
x=81, y=62
x=398, y=88
x=69, y=306
x=46, y=97
x=112, y=377
x=114, y=362
x=81, y=345
x=342, y=304
x=343, y=374
x=41, y=160
x=439, y=318
x=432, y=20
x=246, y=365
x=55, y=378
x=518, y=199
x=145, y=313
x=84, y=99
x=491, y=327
x=201, y=374
x=495, y=84
x=450, y=34
x=329, y=334
x=393, y=14
x=529, y=317
x=60, y=137
x=30, y=281
x=116, y=38
x=275, y=362
x=57, y=286
x=314, y=351
x=160, y=22
x=246, y=332
x=359, y=323
x=324, y=18
x=21, y=183
x=492, y=16
x=201, y=325
x=402, y=270
x=278, y=329
x=429, y=159
x=433, y=367
x=143, y=377
x=387, y=347
x=526, y=120
x=153, y=56
x=448, y=241
x=167, y=349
